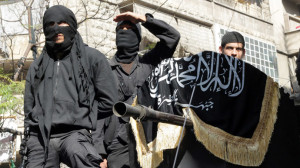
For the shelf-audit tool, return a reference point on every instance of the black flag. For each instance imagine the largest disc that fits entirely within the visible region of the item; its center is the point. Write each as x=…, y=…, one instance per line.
x=235, y=108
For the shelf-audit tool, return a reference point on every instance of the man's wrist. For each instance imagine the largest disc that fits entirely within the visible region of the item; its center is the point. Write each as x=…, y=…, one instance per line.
x=147, y=17
x=143, y=19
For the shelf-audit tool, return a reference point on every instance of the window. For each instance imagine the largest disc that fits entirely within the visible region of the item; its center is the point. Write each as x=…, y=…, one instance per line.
x=260, y=54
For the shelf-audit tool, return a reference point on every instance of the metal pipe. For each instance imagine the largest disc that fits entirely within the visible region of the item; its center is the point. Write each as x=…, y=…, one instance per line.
x=139, y=112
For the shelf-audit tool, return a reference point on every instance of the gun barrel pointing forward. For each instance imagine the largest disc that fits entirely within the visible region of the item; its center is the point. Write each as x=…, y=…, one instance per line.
x=143, y=113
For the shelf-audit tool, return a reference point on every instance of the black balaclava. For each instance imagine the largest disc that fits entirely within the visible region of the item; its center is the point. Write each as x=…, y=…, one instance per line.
x=53, y=16
x=127, y=42
x=232, y=37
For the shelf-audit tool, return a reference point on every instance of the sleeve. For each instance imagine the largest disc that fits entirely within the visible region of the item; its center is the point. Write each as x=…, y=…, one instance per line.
x=28, y=97
x=168, y=36
x=98, y=137
x=105, y=87
x=106, y=95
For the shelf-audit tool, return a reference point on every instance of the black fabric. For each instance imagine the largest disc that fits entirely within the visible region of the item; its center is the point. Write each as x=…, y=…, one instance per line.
x=136, y=27
x=228, y=95
x=52, y=17
x=74, y=112
x=59, y=151
x=222, y=96
x=45, y=71
x=79, y=61
x=127, y=42
x=129, y=83
x=84, y=74
x=298, y=68
x=284, y=148
x=118, y=158
x=232, y=37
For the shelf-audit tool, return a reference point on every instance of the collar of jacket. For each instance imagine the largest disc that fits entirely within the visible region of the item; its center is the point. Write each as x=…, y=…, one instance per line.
x=114, y=63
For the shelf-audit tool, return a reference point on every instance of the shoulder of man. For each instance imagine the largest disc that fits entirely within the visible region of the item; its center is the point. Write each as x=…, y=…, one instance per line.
x=34, y=65
x=94, y=53
x=95, y=56
x=112, y=62
x=32, y=69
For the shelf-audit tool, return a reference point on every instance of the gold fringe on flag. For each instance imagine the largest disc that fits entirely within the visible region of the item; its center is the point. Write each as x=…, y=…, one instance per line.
x=239, y=150
x=151, y=155
x=233, y=149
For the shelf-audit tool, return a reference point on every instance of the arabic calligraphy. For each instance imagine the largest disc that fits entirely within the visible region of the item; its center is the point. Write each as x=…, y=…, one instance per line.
x=208, y=72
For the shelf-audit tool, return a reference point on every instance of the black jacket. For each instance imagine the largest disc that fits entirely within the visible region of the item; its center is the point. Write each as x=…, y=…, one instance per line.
x=68, y=114
x=128, y=84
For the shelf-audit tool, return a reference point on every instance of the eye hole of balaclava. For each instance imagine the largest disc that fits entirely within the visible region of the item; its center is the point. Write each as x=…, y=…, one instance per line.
x=127, y=38
x=62, y=27
x=127, y=41
x=53, y=18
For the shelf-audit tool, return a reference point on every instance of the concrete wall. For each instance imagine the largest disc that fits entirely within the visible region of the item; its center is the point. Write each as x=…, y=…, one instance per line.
x=196, y=34
x=277, y=15
x=198, y=21
x=257, y=10
x=194, y=20
x=293, y=41
x=232, y=18
x=285, y=37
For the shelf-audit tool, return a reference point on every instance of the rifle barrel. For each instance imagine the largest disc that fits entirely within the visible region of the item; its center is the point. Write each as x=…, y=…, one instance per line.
x=122, y=109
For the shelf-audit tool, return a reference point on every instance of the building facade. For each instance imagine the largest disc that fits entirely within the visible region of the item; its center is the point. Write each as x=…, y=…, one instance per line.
x=286, y=26
x=271, y=28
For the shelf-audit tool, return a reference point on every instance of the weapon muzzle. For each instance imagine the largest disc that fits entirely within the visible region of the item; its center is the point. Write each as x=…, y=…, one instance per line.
x=121, y=109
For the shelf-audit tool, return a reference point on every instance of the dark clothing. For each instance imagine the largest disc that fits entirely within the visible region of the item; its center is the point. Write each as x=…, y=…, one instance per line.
x=68, y=114
x=67, y=88
x=66, y=91
x=298, y=68
x=83, y=153
x=283, y=150
x=115, y=138
x=252, y=111
x=67, y=109
x=142, y=66
x=118, y=154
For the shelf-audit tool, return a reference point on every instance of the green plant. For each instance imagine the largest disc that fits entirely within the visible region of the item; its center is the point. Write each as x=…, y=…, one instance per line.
x=150, y=45
x=11, y=95
x=11, y=104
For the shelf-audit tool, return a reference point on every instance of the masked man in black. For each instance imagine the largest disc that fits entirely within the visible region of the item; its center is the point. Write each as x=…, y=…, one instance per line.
x=130, y=72
x=67, y=88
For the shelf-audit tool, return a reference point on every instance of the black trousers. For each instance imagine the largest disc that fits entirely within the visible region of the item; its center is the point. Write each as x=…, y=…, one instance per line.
x=75, y=150
x=118, y=155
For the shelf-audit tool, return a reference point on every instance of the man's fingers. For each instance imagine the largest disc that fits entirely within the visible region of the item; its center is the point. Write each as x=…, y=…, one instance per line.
x=134, y=18
x=103, y=164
